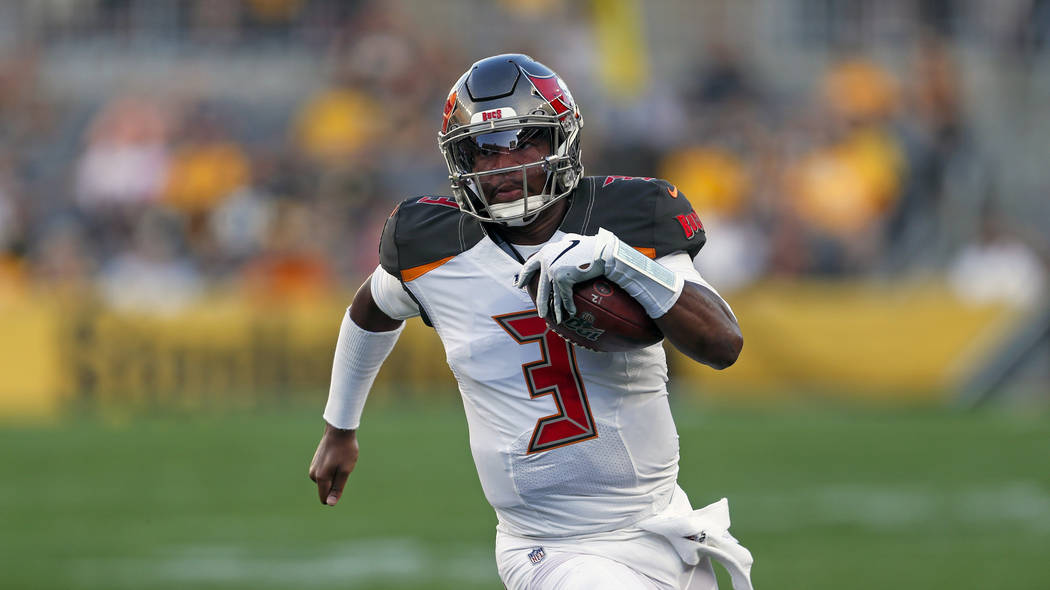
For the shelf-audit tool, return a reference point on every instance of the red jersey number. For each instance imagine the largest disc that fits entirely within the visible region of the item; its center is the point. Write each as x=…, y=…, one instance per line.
x=557, y=375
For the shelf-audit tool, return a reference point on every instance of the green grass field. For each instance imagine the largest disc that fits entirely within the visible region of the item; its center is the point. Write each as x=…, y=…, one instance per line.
x=824, y=498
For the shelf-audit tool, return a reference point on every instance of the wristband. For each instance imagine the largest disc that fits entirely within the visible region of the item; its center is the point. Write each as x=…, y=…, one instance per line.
x=358, y=356
x=652, y=284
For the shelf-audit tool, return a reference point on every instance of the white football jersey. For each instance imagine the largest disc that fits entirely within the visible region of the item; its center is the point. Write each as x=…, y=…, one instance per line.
x=566, y=441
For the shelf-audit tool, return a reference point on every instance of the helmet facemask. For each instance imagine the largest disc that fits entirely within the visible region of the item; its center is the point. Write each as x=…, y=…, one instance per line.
x=501, y=106
x=475, y=189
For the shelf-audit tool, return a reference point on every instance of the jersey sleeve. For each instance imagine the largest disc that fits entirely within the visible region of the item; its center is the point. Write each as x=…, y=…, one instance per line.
x=390, y=295
x=650, y=214
x=388, y=254
x=676, y=226
x=424, y=232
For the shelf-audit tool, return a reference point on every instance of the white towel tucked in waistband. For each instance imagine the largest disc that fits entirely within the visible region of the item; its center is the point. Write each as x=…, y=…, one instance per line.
x=705, y=532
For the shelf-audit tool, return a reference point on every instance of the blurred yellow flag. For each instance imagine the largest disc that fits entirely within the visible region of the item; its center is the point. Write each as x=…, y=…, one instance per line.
x=620, y=36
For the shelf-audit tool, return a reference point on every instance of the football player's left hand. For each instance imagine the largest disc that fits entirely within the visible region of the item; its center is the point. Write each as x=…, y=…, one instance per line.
x=572, y=259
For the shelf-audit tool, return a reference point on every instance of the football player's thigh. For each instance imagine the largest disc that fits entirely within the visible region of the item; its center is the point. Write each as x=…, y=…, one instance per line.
x=589, y=572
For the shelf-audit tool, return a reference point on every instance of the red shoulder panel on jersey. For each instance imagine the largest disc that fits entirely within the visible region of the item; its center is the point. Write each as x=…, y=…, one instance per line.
x=446, y=201
x=611, y=179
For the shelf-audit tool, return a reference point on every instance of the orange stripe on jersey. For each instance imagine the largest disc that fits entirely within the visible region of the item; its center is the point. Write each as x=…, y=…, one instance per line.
x=411, y=274
x=650, y=252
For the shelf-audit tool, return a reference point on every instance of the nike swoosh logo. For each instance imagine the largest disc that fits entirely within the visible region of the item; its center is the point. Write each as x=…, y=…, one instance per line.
x=571, y=246
x=673, y=191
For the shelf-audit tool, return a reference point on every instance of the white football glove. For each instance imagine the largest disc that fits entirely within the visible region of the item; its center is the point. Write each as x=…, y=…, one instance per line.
x=561, y=264
x=575, y=258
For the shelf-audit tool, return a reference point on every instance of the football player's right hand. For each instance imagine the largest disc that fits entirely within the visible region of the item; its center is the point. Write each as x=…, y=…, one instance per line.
x=561, y=264
x=334, y=460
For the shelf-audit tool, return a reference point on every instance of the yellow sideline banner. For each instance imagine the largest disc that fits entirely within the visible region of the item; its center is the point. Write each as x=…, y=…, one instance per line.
x=55, y=354
x=30, y=373
x=853, y=339
x=845, y=339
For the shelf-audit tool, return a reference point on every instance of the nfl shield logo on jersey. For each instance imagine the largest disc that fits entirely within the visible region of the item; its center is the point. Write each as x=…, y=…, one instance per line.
x=537, y=555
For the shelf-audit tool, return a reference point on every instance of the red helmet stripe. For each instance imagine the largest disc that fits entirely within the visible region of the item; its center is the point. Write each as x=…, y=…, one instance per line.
x=550, y=90
x=450, y=105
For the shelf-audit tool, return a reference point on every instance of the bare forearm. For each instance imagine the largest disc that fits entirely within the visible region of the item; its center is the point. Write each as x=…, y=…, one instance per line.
x=702, y=328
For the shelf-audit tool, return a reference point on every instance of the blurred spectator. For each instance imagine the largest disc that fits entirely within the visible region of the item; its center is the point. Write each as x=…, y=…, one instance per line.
x=998, y=267
x=723, y=79
x=152, y=276
x=215, y=21
x=272, y=18
x=843, y=188
x=337, y=124
x=289, y=182
x=842, y=192
x=9, y=225
x=858, y=89
x=531, y=9
x=125, y=161
x=240, y=223
x=375, y=84
x=714, y=179
x=717, y=184
x=274, y=10
x=12, y=276
x=13, y=228
x=26, y=112
x=1032, y=28
x=292, y=265
x=937, y=143
x=644, y=127
x=62, y=258
x=12, y=218
x=207, y=166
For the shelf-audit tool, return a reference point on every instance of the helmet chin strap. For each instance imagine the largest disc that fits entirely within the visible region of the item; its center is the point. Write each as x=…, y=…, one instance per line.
x=524, y=210
x=513, y=210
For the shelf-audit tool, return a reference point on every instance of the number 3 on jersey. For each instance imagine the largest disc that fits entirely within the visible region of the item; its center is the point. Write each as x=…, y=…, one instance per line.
x=555, y=374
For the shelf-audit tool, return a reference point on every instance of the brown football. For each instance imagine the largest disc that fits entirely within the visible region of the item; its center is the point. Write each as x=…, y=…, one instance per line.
x=607, y=318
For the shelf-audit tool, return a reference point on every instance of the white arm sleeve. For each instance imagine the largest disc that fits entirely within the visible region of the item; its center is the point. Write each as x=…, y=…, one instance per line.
x=358, y=356
x=680, y=263
x=391, y=297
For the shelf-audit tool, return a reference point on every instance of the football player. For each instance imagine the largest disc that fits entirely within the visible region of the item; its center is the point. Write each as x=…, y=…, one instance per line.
x=576, y=450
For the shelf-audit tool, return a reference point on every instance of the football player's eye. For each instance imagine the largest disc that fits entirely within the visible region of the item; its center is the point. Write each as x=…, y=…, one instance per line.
x=538, y=140
x=464, y=155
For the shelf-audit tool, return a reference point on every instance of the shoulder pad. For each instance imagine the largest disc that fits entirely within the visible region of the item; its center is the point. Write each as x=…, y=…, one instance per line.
x=424, y=232
x=650, y=214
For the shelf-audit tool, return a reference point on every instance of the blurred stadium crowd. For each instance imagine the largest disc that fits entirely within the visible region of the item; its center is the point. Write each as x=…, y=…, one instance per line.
x=154, y=150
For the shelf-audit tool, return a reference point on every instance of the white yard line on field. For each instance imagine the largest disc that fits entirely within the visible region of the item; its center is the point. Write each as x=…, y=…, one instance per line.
x=1018, y=505
x=400, y=560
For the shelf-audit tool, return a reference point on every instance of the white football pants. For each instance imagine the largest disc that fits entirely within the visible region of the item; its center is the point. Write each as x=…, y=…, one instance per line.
x=630, y=559
x=587, y=572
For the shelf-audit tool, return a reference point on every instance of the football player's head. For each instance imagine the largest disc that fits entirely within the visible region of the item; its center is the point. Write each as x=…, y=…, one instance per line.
x=511, y=138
